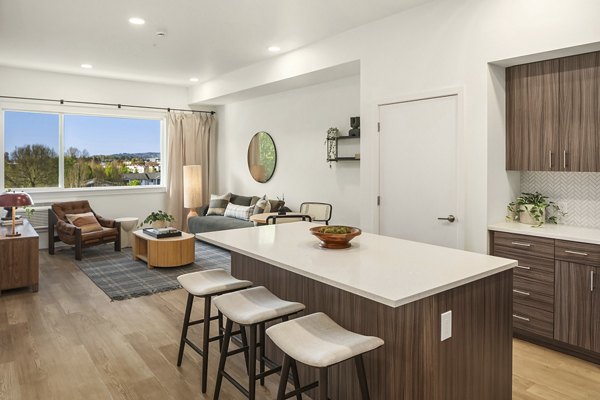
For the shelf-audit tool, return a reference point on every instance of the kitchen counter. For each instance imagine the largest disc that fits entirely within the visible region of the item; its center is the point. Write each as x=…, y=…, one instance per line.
x=552, y=231
x=384, y=269
x=396, y=290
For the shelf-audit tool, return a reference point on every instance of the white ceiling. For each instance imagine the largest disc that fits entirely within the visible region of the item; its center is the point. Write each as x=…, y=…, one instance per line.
x=205, y=38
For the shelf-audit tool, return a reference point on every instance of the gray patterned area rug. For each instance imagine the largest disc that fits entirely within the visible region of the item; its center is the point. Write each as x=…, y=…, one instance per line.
x=120, y=277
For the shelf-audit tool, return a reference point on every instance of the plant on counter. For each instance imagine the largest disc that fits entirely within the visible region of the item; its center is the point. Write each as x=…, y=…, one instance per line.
x=159, y=219
x=531, y=208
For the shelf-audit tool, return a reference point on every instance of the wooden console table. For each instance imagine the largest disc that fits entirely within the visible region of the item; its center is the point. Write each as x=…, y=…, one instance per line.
x=19, y=260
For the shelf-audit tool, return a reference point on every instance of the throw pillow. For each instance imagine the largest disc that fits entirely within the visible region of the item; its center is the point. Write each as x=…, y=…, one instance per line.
x=218, y=204
x=262, y=206
x=86, y=221
x=238, y=212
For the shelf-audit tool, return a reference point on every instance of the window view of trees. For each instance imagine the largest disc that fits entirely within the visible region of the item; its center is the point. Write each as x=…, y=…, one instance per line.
x=110, y=154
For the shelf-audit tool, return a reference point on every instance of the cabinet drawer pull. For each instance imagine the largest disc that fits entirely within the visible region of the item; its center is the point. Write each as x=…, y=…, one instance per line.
x=521, y=292
x=519, y=317
x=550, y=156
x=522, y=244
x=564, y=159
x=577, y=253
x=523, y=267
x=591, y=280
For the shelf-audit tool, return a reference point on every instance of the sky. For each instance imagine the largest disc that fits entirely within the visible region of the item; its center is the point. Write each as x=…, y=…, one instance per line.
x=97, y=135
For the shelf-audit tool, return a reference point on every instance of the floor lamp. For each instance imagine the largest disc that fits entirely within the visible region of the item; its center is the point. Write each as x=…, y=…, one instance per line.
x=14, y=200
x=192, y=189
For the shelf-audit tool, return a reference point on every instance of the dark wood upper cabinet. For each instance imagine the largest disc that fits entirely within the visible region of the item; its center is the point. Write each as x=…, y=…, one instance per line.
x=580, y=112
x=532, y=96
x=553, y=115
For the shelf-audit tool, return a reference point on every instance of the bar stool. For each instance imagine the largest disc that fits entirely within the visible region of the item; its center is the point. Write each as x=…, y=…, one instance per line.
x=317, y=341
x=251, y=308
x=205, y=284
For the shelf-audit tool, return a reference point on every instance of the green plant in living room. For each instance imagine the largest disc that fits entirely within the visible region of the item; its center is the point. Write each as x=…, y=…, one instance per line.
x=159, y=219
x=531, y=208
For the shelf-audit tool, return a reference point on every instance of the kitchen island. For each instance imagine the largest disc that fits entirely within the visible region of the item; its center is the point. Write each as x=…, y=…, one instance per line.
x=397, y=290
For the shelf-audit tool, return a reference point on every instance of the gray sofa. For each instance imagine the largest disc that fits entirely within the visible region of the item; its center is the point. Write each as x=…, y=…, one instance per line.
x=209, y=223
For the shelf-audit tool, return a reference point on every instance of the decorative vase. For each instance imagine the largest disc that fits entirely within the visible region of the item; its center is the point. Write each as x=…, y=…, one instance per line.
x=526, y=218
x=159, y=224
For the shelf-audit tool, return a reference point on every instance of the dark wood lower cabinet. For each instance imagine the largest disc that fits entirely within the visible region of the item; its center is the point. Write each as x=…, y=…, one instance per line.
x=556, y=292
x=573, y=306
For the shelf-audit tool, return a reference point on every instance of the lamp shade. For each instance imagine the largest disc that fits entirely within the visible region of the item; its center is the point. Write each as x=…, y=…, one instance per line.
x=192, y=186
x=15, y=199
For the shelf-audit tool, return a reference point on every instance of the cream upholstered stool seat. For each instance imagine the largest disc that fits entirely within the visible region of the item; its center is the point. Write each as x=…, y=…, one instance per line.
x=251, y=308
x=316, y=340
x=205, y=284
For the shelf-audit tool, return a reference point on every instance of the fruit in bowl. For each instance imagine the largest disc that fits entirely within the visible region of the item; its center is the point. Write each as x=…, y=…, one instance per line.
x=335, y=236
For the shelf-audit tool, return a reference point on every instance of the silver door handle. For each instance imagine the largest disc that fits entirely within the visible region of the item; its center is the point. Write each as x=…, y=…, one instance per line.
x=449, y=218
x=578, y=253
x=521, y=292
x=550, y=159
x=564, y=159
x=591, y=280
x=523, y=267
x=522, y=244
x=519, y=317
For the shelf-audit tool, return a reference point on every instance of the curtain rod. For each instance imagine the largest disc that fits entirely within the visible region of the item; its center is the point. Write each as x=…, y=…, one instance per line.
x=61, y=101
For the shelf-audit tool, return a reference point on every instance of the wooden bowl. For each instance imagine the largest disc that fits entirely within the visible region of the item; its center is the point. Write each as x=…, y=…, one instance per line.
x=335, y=240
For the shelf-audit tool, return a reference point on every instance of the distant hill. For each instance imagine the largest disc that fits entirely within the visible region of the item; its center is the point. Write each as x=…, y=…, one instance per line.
x=135, y=155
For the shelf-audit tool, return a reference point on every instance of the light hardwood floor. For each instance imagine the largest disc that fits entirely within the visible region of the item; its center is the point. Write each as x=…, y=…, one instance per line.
x=69, y=341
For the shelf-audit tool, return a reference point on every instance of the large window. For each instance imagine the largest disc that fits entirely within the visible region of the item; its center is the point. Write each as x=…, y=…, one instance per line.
x=49, y=150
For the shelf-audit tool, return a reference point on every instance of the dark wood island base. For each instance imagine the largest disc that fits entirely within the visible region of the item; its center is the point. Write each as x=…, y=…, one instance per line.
x=414, y=364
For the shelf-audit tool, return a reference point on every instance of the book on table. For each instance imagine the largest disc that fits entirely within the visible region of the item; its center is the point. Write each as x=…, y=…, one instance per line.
x=161, y=233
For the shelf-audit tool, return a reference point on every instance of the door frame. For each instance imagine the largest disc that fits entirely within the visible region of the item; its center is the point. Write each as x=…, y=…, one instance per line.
x=460, y=150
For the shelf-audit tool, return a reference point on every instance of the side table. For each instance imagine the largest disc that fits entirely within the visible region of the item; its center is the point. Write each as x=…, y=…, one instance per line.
x=19, y=258
x=128, y=224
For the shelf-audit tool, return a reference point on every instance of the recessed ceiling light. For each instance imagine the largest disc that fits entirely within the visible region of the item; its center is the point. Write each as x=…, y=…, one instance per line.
x=274, y=49
x=136, y=21
x=87, y=66
x=193, y=79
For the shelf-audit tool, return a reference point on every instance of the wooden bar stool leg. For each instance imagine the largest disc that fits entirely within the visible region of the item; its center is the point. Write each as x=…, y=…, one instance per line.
x=295, y=378
x=362, y=376
x=323, y=384
x=285, y=372
x=184, y=329
x=205, y=342
x=252, y=363
x=221, y=330
x=262, y=352
x=222, y=359
x=245, y=344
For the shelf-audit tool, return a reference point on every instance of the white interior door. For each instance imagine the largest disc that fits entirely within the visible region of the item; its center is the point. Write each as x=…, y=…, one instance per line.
x=418, y=173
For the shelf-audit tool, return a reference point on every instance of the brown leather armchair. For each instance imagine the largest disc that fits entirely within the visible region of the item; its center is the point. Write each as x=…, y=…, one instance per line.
x=70, y=234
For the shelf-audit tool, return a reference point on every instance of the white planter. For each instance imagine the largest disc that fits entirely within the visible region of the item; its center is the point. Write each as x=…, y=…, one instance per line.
x=526, y=218
x=159, y=224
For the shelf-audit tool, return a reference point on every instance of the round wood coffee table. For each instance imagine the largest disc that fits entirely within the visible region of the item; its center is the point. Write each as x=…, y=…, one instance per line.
x=168, y=252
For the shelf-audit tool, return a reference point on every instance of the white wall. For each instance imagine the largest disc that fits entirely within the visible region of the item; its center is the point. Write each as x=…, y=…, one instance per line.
x=298, y=121
x=29, y=83
x=441, y=44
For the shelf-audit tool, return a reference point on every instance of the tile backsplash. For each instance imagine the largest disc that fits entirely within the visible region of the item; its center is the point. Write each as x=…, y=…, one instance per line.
x=577, y=193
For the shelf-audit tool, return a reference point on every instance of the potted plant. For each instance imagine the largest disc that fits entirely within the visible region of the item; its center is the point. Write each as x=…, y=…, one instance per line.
x=534, y=209
x=159, y=219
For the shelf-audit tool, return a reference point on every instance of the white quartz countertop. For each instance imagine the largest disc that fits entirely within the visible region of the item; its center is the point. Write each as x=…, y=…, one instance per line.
x=552, y=231
x=387, y=270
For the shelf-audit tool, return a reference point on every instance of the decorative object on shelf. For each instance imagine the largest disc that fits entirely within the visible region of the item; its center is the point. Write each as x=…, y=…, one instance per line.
x=14, y=200
x=355, y=124
x=331, y=142
x=534, y=209
x=335, y=236
x=262, y=157
x=192, y=189
x=159, y=219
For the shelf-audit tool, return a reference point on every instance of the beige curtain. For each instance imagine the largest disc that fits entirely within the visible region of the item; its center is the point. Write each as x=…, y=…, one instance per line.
x=189, y=142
